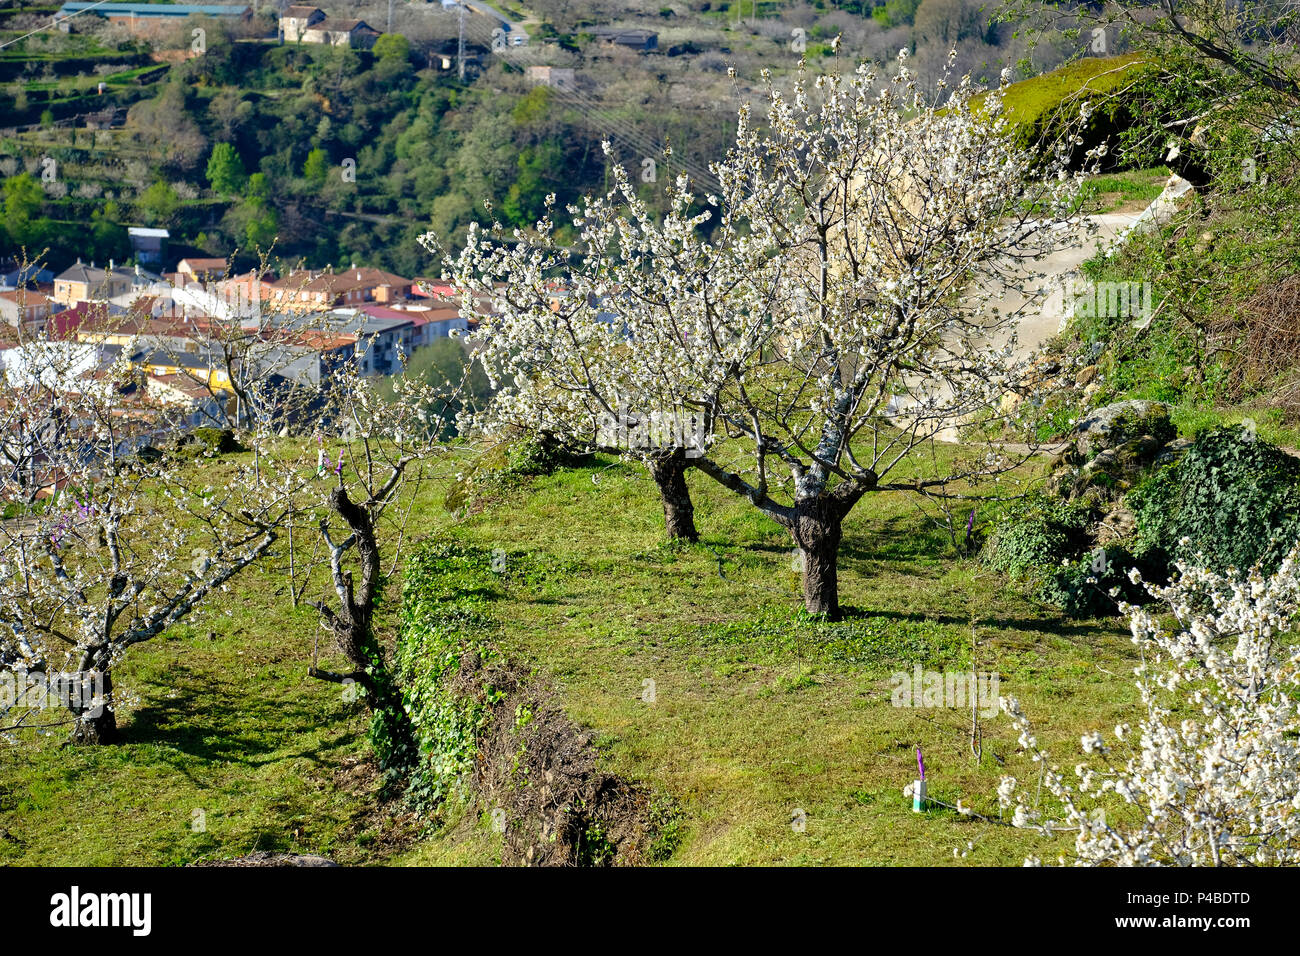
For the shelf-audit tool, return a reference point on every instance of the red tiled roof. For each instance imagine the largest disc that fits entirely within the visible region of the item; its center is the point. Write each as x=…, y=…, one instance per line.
x=203, y=264
x=26, y=297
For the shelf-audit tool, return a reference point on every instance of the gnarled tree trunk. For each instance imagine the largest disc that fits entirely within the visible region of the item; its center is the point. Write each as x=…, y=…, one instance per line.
x=351, y=625
x=816, y=529
x=816, y=522
x=669, y=474
x=95, y=720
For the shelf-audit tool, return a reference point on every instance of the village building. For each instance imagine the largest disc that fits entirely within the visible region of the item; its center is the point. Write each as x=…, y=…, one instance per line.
x=356, y=34
x=149, y=245
x=143, y=19
x=26, y=310
x=643, y=41
x=201, y=270
x=296, y=19
x=350, y=287
x=85, y=283
x=558, y=77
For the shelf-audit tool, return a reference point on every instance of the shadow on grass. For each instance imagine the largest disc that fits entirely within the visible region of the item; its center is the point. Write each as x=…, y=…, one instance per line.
x=1060, y=627
x=205, y=722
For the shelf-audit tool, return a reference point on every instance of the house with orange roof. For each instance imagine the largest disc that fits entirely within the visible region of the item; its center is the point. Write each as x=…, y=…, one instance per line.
x=201, y=270
x=347, y=289
x=25, y=309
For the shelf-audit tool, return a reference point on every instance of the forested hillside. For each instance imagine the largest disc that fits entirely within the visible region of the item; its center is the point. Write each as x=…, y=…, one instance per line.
x=252, y=143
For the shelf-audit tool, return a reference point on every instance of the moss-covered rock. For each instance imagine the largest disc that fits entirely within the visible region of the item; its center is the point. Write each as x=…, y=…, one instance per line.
x=1119, y=424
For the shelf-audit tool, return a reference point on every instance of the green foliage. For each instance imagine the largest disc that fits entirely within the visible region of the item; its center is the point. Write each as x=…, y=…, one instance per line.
x=1093, y=585
x=444, y=650
x=316, y=166
x=110, y=239
x=509, y=464
x=1234, y=497
x=1205, y=268
x=157, y=205
x=525, y=201
x=536, y=455
x=226, y=174
x=1036, y=534
x=594, y=847
x=895, y=13
x=23, y=197
x=393, y=46
x=255, y=217
x=667, y=827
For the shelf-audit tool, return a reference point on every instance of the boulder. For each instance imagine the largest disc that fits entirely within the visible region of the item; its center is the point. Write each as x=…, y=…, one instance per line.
x=1117, y=424
x=1172, y=452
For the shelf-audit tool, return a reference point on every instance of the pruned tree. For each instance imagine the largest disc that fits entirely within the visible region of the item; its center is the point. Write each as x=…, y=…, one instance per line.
x=107, y=542
x=825, y=329
x=555, y=338
x=363, y=500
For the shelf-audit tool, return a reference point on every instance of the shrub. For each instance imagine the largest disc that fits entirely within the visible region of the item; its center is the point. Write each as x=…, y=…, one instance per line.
x=535, y=455
x=507, y=465
x=1231, y=497
x=1096, y=583
x=1037, y=533
x=444, y=661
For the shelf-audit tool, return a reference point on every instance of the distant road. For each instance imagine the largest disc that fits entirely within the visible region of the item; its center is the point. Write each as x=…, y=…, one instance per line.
x=512, y=27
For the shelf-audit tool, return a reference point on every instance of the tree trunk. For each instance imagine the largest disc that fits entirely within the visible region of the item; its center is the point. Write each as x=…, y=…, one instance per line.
x=669, y=473
x=816, y=531
x=352, y=626
x=96, y=723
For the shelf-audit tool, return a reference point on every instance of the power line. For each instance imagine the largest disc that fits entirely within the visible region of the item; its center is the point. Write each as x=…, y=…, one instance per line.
x=55, y=21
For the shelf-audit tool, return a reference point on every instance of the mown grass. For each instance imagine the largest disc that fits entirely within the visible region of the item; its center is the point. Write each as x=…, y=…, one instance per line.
x=757, y=711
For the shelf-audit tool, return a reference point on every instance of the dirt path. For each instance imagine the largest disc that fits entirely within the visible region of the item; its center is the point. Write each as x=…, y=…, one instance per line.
x=1038, y=300
x=1034, y=294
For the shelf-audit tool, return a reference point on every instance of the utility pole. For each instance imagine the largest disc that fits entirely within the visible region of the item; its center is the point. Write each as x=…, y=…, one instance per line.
x=390, y=16
x=460, y=45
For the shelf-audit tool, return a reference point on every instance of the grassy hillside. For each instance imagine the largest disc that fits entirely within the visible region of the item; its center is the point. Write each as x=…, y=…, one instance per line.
x=1221, y=345
x=757, y=712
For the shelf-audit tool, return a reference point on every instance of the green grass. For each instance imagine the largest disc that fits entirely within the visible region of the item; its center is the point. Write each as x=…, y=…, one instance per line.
x=1130, y=189
x=758, y=711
